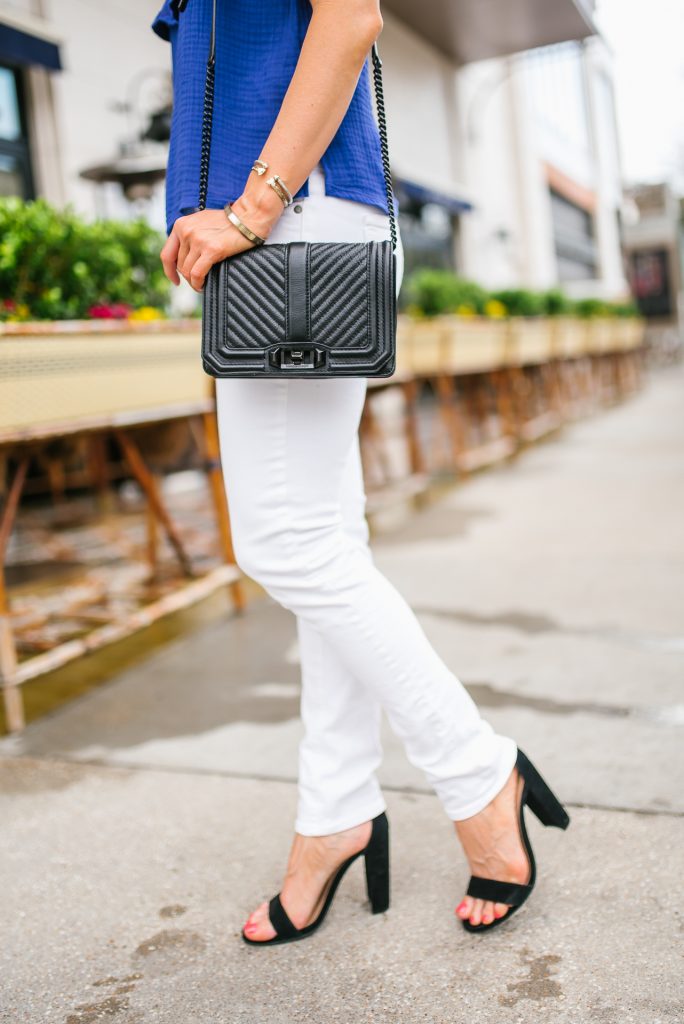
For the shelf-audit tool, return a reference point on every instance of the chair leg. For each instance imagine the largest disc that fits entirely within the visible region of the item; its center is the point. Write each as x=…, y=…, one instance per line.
x=146, y=480
x=11, y=695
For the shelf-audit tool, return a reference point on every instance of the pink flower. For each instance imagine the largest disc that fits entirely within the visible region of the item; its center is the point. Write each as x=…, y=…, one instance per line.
x=111, y=311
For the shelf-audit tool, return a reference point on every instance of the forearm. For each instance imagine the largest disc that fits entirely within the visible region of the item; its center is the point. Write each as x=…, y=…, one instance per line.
x=334, y=50
x=335, y=47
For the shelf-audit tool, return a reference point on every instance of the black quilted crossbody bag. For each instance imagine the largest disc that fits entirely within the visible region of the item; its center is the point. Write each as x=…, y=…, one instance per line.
x=300, y=309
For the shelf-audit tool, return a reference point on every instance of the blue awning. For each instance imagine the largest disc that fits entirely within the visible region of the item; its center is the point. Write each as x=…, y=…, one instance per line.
x=423, y=194
x=17, y=47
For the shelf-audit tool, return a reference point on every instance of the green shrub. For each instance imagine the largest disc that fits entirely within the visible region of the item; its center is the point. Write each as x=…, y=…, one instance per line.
x=556, y=303
x=588, y=308
x=624, y=309
x=56, y=266
x=520, y=301
x=432, y=292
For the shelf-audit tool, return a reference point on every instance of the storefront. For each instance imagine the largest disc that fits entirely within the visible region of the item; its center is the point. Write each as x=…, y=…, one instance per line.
x=25, y=46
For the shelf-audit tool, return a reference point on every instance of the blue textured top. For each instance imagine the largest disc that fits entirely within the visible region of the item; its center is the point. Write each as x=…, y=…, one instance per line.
x=257, y=47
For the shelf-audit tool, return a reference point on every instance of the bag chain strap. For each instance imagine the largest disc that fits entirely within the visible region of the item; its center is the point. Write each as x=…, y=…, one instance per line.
x=208, y=112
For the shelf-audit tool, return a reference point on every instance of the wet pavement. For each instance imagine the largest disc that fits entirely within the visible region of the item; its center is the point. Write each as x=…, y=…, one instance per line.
x=143, y=821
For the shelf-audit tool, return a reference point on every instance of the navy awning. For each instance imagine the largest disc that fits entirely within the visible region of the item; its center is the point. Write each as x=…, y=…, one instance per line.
x=17, y=47
x=424, y=194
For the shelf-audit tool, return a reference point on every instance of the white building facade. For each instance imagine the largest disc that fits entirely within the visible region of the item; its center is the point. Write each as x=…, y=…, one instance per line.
x=541, y=163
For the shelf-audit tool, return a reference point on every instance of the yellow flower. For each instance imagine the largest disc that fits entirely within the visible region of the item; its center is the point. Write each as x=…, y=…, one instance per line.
x=495, y=309
x=147, y=313
x=466, y=310
x=21, y=312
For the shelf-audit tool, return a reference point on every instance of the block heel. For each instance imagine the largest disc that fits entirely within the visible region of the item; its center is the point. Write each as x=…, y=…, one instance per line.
x=377, y=867
x=376, y=855
x=541, y=800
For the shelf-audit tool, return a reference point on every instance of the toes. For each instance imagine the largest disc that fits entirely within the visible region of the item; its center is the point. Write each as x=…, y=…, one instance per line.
x=500, y=909
x=488, y=913
x=464, y=908
x=476, y=912
x=479, y=911
x=258, y=926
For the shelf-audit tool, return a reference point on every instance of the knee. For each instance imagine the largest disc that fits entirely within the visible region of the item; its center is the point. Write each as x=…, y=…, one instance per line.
x=289, y=561
x=266, y=555
x=252, y=555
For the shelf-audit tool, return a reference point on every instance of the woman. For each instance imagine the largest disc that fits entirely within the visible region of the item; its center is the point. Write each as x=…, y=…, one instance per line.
x=292, y=91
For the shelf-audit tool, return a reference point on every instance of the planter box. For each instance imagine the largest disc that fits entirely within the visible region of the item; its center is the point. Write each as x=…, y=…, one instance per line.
x=602, y=332
x=568, y=337
x=631, y=333
x=427, y=345
x=72, y=372
x=613, y=334
x=474, y=344
x=404, y=327
x=530, y=341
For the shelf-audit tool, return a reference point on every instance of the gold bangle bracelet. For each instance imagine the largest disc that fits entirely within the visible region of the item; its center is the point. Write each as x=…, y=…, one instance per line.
x=280, y=189
x=242, y=228
x=260, y=166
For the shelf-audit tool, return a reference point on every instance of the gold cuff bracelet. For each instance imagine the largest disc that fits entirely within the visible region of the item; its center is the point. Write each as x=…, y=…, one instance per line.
x=242, y=228
x=280, y=189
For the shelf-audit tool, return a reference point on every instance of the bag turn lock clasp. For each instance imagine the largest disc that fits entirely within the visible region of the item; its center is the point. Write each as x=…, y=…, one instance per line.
x=297, y=357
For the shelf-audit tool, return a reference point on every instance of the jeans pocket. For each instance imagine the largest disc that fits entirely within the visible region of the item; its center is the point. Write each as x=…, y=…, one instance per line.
x=376, y=225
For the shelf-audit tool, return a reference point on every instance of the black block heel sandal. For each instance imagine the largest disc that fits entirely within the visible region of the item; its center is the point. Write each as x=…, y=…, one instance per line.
x=376, y=855
x=542, y=802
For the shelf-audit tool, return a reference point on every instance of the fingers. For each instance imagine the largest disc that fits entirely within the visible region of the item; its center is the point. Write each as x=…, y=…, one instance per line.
x=169, y=256
x=184, y=250
x=196, y=242
x=200, y=269
x=198, y=262
x=175, y=253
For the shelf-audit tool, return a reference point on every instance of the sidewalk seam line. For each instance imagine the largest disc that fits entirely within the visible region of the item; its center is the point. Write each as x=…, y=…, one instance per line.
x=289, y=781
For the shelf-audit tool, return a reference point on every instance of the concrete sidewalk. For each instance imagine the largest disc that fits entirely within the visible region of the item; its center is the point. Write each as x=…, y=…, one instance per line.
x=554, y=587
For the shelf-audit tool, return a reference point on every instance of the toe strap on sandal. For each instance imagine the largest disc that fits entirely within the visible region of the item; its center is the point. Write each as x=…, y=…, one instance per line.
x=512, y=893
x=279, y=919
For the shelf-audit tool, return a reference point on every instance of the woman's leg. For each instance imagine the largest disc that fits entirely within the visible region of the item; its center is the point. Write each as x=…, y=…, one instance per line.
x=284, y=445
x=304, y=573
x=341, y=750
x=284, y=448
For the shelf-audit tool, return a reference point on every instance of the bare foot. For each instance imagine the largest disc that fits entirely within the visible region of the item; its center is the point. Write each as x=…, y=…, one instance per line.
x=493, y=845
x=313, y=862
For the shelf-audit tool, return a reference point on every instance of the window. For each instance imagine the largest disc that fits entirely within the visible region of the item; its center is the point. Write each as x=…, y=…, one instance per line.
x=427, y=233
x=573, y=236
x=15, y=164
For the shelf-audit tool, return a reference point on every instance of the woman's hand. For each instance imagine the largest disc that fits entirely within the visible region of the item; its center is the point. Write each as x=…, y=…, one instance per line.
x=201, y=239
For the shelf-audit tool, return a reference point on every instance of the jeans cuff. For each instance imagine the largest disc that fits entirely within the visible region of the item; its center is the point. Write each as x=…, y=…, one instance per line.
x=458, y=812
x=329, y=826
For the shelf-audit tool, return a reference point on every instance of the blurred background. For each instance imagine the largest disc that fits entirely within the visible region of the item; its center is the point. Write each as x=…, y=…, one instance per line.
x=524, y=468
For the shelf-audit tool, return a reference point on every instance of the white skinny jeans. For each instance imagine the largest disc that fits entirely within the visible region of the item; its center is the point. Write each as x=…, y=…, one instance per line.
x=292, y=471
